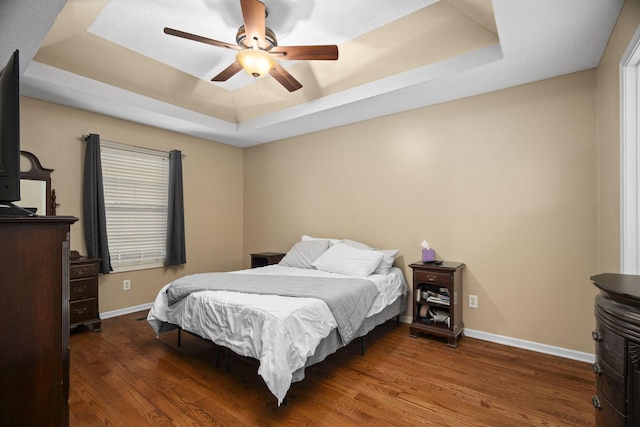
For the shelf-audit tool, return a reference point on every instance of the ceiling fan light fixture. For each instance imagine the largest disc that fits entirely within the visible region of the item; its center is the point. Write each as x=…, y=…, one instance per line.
x=255, y=44
x=256, y=62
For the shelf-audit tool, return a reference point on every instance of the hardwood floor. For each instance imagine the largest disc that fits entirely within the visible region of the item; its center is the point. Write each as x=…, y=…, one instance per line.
x=124, y=376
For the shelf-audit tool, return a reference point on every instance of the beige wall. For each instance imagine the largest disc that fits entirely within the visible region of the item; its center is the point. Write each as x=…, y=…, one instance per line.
x=212, y=183
x=609, y=137
x=522, y=185
x=505, y=182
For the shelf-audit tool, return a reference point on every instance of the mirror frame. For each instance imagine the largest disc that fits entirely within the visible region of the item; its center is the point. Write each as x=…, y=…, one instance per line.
x=39, y=173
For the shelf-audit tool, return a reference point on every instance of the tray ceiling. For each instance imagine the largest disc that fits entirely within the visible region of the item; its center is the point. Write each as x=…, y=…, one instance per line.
x=112, y=57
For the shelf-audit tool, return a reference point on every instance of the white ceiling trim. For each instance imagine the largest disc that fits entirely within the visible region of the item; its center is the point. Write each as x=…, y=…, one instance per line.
x=52, y=84
x=366, y=100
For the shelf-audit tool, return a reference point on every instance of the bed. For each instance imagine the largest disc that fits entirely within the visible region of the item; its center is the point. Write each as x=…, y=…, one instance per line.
x=321, y=296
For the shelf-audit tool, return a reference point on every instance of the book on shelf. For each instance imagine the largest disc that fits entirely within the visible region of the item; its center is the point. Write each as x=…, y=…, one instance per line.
x=438, y=300
x=440, y=297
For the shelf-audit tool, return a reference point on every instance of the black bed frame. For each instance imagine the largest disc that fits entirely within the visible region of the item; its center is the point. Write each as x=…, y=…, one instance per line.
x=226, y=351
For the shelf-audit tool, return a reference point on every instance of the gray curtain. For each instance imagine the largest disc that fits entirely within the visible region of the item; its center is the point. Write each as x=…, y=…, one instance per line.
x=176, y=253
x=94, y=217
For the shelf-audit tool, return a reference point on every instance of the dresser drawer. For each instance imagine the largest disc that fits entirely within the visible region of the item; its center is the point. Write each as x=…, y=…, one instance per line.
x=607, y=416
x=432, y=277
x=82, y=289
x=611, y=385
x=83, y=270
x=82, y=311
x=610, y=347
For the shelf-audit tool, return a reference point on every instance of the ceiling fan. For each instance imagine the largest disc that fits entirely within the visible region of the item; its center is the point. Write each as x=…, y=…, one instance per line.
x=258, y=49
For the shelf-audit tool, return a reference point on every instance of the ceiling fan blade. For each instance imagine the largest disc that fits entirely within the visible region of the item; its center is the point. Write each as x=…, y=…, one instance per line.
x=227, y=73
x=285, y=79
x=200, y=39
x=254, y=14
x=322, y=52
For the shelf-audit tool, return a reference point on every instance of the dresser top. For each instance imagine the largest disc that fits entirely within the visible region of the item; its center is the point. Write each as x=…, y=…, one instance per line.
x=37, y=219
x=619, y=286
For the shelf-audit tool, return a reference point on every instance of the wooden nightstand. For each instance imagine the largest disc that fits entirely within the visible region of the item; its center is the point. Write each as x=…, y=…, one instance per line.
x=83, y=293
x=262, y=259
x=437, y=300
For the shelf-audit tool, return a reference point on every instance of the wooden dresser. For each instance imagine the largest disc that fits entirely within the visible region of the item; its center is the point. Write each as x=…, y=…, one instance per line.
x=34, y=354
x=617, y=342
x=83, y=295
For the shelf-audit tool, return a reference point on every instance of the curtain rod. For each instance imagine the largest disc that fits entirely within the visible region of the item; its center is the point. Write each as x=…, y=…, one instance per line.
x=85, y=136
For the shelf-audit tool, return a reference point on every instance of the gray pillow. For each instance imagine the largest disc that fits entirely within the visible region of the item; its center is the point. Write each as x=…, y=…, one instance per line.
x=302, y=254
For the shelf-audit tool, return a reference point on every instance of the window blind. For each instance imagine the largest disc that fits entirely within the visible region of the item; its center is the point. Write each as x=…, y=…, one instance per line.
x=135, y=196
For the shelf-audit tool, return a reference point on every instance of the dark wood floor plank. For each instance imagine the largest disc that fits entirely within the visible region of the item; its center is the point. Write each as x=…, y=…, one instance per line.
x=124, y=375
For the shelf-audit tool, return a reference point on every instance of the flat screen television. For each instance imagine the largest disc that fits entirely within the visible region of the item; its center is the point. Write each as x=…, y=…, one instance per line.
x=10, y=133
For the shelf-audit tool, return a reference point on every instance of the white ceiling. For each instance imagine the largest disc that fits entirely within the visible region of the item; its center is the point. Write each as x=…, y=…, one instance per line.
x=537, y=39
x=136, y=25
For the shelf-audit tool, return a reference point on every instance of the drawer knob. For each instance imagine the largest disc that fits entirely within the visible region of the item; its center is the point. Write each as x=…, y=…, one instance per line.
x=596, y=368
x=80, y=310
x=596, y=336
x=595, y=401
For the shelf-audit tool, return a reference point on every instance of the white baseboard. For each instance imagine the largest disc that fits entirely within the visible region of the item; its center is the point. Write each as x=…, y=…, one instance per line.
x=485, y=336
x=530, y=345
x=527, y=345
x=127, y=310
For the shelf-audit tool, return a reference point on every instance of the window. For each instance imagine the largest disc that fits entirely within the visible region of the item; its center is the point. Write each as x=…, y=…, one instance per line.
x=136, y=184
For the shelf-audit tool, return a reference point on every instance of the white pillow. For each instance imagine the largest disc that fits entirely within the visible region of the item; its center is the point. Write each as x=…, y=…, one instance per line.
x=308, y=238
x=344, y=259
x=388, y=256
x=355, y=244
x=302, y=254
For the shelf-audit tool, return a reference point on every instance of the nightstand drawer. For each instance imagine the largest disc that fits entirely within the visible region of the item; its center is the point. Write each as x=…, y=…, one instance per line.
x=83, y=292
x=81, y=311
x=83, y=270
x=432, y=277
x=82, y=289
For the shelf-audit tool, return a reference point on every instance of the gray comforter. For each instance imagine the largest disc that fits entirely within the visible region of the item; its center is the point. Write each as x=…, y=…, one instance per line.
x=348, y=299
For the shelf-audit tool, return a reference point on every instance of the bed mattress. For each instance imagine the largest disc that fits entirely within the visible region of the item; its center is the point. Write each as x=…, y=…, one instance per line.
x=282, y=333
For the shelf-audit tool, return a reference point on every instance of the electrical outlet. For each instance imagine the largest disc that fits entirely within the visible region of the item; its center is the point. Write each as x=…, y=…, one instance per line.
x=126, y=285
x=473, y=301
